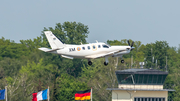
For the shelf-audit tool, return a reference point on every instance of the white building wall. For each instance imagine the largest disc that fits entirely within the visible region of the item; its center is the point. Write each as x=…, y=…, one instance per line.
x=121, y=86
x=121, y=95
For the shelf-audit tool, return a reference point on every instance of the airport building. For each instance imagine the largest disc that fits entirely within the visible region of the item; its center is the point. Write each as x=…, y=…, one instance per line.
x=140, y=85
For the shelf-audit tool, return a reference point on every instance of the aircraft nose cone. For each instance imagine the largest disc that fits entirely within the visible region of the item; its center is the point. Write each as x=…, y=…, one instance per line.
x=132, y=48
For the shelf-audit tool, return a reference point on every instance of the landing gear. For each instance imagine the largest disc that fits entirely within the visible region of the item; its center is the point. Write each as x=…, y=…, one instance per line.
x=106, y=60
x=89, y=63
x=122, y=61
x=105, y=63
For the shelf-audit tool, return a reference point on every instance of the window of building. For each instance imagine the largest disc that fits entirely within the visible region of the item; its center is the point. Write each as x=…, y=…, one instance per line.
x=125, y=79
x=149, y=79
x=148, y=99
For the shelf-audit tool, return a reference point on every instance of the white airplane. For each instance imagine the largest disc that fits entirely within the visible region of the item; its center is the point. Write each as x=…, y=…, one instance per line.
x=85, y=51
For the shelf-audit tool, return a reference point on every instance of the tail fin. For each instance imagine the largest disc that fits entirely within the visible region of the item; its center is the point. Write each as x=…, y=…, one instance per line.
x=53, y=40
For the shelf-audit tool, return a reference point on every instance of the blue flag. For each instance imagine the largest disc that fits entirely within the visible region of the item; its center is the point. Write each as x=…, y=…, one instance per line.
x=2, y=94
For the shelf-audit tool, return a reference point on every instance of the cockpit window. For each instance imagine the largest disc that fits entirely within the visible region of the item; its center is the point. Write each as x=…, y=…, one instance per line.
x=105, y=46
x=109, y=45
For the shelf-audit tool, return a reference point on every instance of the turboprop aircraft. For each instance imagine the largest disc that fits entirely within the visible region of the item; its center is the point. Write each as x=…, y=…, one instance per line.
x=85, y=51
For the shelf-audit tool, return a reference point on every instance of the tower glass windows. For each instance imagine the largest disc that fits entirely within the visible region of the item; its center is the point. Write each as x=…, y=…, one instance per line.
x=149, y=79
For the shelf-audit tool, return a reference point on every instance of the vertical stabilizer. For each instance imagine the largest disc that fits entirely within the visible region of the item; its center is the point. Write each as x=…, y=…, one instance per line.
x=53, y=40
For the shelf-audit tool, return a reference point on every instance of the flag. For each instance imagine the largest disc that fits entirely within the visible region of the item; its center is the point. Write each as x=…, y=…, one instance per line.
x=2, y=94
x=42, y=95
x=34, y=97
x=83, y=95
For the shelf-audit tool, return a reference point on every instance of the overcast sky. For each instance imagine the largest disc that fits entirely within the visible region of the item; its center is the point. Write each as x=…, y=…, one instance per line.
x=139, y=20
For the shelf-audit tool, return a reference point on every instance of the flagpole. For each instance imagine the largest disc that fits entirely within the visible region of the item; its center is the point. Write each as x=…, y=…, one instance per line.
x=91, y=93
x=6, y=92
x=48, y=93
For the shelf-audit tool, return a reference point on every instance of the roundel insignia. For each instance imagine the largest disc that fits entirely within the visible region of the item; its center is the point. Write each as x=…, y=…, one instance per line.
x=78, y=48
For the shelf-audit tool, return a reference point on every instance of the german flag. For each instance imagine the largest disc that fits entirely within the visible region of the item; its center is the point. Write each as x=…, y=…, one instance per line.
x=83, y=95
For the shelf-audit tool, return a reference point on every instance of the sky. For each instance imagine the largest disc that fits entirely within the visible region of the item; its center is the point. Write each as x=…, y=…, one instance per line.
x=140, y=20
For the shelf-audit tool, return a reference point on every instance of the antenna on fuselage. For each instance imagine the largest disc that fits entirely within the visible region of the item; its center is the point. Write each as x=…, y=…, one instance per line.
x=81, y=43
x=96, y=41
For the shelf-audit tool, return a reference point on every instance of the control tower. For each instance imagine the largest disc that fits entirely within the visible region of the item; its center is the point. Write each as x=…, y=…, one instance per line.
x=140, y=85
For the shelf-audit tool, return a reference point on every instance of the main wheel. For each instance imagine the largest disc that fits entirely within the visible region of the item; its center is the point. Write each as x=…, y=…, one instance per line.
x=105, y=63
x=90, y=63
x=122, y=61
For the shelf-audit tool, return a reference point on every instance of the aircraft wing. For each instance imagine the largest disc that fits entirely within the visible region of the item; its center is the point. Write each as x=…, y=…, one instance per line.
x=103, y=54
x=48, y=50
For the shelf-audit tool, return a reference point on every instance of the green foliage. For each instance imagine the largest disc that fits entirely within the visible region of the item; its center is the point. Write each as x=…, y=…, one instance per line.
x=12, y=50
x=100, y=77
x=34, y=44
x=69, y=32
x=24, y=69
x=9, y=80
x=10, y=66
x=68, y=86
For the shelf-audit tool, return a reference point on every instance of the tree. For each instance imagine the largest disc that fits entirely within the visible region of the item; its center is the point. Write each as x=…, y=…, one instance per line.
x=69, y=33
x=68, y=86
x=12, y=50
x=100, y=77
x=10, y=66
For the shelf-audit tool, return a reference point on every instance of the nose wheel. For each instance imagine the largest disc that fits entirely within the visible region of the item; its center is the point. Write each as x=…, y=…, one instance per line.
x=89, y=63
x=105, y=63
x=122, y=61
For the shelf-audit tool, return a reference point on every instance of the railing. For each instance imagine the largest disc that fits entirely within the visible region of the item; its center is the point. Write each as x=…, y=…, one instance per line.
x=147, y=87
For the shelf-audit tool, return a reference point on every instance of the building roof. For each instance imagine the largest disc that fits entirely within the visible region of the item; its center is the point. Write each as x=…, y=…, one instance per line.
x=141, y=89
x=141, y=71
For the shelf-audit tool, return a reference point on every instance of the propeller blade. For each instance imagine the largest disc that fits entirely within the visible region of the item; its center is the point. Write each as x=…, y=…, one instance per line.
x=128, y=42
x=132, y=44
x=132, y=48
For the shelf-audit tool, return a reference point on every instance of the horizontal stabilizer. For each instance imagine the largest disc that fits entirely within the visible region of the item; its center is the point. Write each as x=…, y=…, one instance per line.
x=67, y=57
x=48, y=50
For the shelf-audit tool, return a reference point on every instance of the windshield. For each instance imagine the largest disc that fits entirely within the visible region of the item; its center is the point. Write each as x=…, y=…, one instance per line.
x=109, y=45
x=105, y=46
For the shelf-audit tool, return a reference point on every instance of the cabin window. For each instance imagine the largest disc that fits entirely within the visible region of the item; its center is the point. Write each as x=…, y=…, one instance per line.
x=99, y=46
x=94, y=47
x=89, y=47
x=83, y=48
x=105, y=46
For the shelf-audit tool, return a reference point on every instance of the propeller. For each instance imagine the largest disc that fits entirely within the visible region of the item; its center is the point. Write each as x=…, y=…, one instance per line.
x=131, y=44
x=128, y=42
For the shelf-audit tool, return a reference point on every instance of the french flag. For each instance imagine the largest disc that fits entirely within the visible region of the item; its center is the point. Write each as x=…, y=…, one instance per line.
x=42, y=95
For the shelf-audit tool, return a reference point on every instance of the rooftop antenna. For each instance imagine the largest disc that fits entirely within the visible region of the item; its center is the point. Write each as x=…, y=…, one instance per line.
x=166, y=63
x=141, y=64
x=131, y=60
